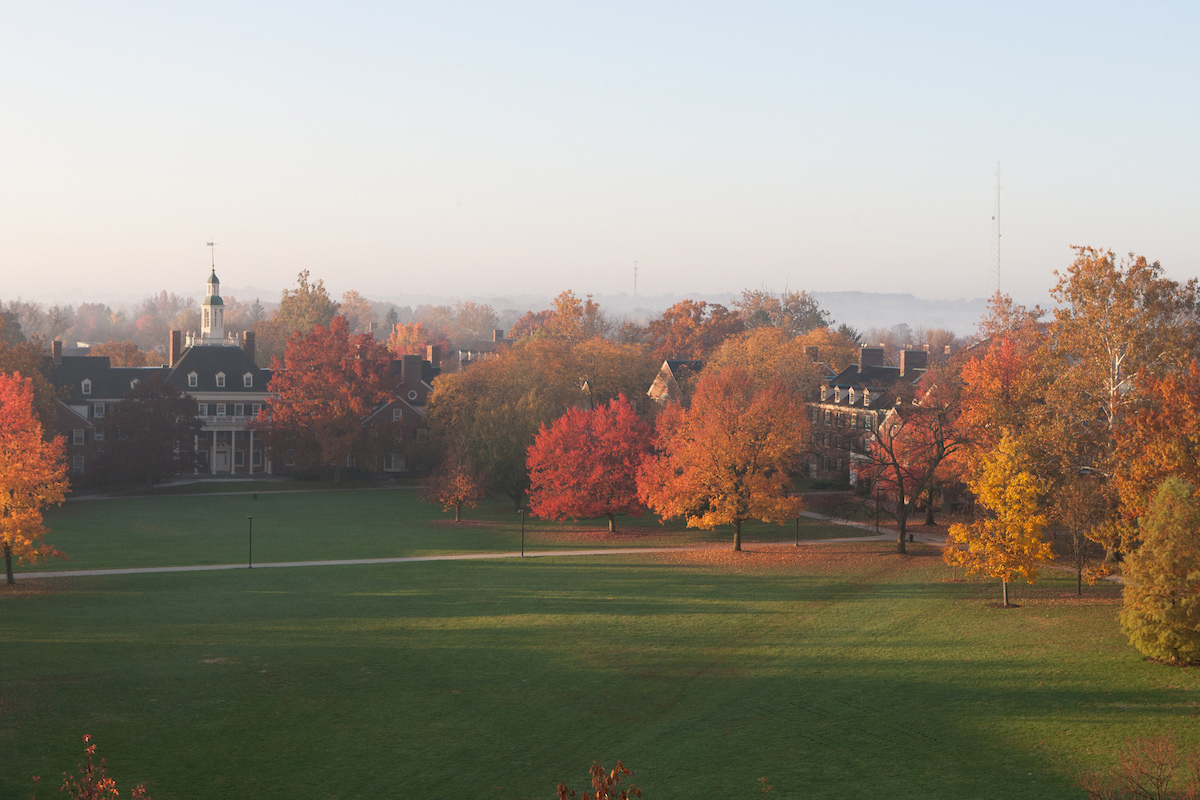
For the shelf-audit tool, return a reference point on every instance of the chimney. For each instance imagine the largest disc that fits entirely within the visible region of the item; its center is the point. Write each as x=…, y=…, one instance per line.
x=176, y=347
x=870, y=357
x=812, y=352
x=248, y=345
x=498, y=335
x=433, y=354
x=946, y=350
x=410, y=370
x=56, y=352
x=913, y=359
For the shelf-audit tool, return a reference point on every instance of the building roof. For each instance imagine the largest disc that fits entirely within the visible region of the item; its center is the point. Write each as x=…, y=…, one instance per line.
x=208, y=360
x=108, y=382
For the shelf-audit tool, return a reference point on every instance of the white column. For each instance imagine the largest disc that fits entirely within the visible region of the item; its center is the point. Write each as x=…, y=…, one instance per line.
x=213, y=455
x=250, y=455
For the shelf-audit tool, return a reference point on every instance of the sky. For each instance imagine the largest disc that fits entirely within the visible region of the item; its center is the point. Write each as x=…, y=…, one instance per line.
x=469, y=149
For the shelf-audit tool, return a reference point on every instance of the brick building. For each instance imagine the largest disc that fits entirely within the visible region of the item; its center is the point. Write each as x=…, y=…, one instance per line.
x=849, y=406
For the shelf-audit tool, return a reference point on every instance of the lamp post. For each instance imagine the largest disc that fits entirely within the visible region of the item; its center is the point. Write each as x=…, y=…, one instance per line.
x=797, y=531
x=250, y=553
x=522, y=511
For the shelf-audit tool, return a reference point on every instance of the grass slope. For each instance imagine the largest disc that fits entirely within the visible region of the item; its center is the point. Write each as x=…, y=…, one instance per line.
x=833, y=670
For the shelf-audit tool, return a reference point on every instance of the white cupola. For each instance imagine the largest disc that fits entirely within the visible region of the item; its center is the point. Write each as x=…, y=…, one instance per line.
x=212, y=313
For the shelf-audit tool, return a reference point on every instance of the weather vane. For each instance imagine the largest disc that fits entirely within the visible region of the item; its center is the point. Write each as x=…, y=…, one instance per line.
x=212, y=249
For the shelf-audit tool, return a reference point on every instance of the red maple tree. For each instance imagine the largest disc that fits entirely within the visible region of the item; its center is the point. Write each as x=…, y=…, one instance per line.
x=332, y=382
x=32, y=474
x=585, y=464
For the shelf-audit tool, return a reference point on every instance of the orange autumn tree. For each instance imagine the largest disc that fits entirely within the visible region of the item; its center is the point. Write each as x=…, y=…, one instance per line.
x=414, y=338
x=729, y=457
x=1158, y=437
x=456, y=483
x=692, y=329
x=585, y=464
x=1007, y=543
x=317, y=405
x=32, y=475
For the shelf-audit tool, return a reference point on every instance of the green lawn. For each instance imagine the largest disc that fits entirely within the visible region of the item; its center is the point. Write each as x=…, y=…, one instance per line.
x=835, y=671
x=369, y=523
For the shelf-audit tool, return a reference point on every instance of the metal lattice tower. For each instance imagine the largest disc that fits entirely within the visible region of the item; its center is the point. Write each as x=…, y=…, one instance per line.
x=994, y=261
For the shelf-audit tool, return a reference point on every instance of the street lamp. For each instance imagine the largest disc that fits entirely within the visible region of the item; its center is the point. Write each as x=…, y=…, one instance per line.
x=250, y=553
x=522, y=512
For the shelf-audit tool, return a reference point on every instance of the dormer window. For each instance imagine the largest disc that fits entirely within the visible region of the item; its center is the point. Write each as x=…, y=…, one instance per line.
x=852, y=393
x=837, y=395
x=824, y=393
x=248, y=380
x=86, y=386
x=220, y=380
x=133, y=383
x=193, y=380
x=866, y=398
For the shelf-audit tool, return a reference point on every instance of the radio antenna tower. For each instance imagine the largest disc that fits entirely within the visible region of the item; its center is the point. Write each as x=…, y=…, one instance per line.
x=994, y=265
x=635, y=279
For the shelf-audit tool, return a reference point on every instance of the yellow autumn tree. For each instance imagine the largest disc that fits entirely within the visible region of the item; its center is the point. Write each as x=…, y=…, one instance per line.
x=728, y=458
x=1007, y=544
x=32, y=474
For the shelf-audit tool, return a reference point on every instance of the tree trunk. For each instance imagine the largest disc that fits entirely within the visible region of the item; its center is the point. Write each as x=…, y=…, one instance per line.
x=612, y=524
x=458, y=512
x=929, y=507
x=1004, y=583
x=8, y=564
x=737, y=535
x=902, y=527
x=1079, y=581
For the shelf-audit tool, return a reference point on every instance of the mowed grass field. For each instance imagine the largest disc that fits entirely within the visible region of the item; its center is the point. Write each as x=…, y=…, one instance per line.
x=331, y=525
x=832, y=670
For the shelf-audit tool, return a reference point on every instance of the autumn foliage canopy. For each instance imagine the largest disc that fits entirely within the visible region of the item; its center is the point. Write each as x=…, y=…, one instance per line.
x=585, y=463
x=332, y=382
x=730, y=456
x=32, y=474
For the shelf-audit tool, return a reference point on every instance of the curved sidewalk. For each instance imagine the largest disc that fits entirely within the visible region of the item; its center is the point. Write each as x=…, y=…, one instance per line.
x=611, y=551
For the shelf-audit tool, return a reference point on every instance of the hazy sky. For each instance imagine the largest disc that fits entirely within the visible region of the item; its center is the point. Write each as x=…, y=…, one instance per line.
x=524, y=148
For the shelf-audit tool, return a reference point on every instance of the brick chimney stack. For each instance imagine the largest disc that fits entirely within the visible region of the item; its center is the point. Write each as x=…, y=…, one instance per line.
x=410, y=371
x=56, y=352
x=433, y=354
x=176, y=347
x=913, y=359
x=870, y=357
x=248, y=345
x=498, y=335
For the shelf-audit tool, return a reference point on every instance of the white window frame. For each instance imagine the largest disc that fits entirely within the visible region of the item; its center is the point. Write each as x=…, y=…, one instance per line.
x=78, y=436
x=193, y=380
x=248, y=380
x=77, y=464
x=239, y=410
x=397, y=415
x=86, y=387
x=97, y=435
x=220, y=409
x=220, y=380
x=98, y=411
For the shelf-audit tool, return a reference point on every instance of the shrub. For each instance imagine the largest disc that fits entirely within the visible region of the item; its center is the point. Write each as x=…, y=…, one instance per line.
x=1161, y=613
